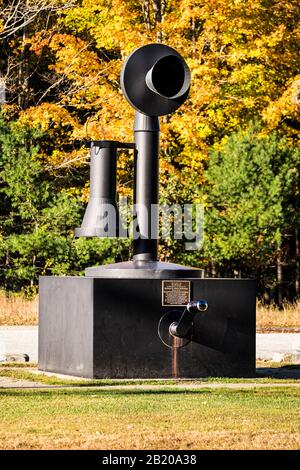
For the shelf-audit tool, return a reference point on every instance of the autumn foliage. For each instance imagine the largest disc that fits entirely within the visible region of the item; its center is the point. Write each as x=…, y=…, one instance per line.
x=59, y=67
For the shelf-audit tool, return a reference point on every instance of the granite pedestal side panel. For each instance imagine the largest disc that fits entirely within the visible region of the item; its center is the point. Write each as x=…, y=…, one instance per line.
x=108, y=328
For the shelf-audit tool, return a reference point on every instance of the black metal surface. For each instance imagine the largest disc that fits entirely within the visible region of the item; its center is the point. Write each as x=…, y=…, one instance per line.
x=146, y=137
x=101, y=216
x=144, y=270
x=107, y=328
x=78, y=144
x=166, y=77
x=155, y=79
x=114, y=144
x=183, y=327
x=66, y=337
x=120, y=320
x=196, y=306
x=167, y=326
x=195, y=327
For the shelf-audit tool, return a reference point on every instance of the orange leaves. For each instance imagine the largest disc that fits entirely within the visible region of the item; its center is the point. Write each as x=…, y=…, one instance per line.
x=286, y=108
x=243, y=55
x=47, y=116
x=74, y=59
x=39, y=41
x=60, y=127
x=60, y=159
x=112, y=24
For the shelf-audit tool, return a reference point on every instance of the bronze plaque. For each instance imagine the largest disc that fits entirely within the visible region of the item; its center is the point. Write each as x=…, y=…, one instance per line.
x=176, y=293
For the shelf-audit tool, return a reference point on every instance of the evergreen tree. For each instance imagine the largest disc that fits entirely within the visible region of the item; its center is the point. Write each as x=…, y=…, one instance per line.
x=252, y=202
x=38, y=216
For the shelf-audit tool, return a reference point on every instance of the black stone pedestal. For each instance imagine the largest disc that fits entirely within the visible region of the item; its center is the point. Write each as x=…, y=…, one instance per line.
x=108, y=328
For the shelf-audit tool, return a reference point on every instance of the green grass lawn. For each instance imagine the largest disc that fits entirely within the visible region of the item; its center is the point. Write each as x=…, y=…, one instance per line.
x=28, y=371
x=149, y=414
x=158, y=418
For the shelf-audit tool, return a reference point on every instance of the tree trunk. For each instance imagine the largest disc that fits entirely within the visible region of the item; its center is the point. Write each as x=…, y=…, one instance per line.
x=213, y=270
x=146, y=13
x=238, y=273
x=33, y=265
x=193, y=28
x=24, y=73
x=2, y=90
x=279, y=282
x=159, y=9
x=297, y=253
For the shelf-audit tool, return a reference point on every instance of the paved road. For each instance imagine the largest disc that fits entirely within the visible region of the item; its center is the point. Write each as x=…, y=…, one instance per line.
x=24, y=340
x=19, y=340
x=275, y=346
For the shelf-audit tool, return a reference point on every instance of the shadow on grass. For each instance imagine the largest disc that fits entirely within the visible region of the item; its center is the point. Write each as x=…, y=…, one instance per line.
x=291, y=371
x=120, y=394
x=95, y=393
